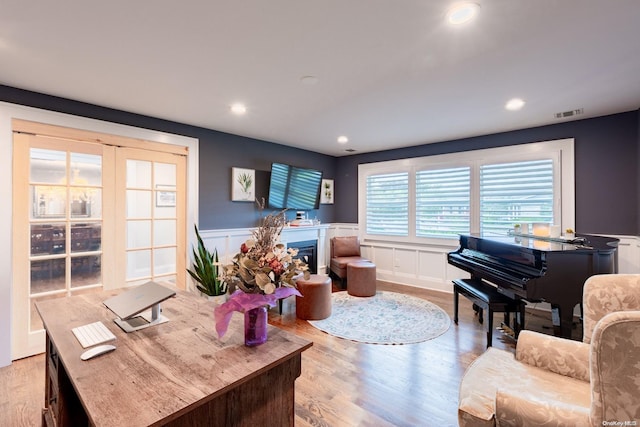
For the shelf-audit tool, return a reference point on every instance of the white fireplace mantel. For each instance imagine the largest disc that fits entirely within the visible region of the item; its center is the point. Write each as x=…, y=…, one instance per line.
x=228, y=241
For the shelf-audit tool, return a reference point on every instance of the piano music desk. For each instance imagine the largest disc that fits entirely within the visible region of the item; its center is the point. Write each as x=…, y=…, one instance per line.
x=488, y=298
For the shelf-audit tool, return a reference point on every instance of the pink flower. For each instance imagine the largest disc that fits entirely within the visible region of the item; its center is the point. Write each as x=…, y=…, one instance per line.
x=276, y=266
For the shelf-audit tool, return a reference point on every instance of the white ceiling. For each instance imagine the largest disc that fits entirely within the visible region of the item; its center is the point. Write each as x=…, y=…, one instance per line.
x=391, y=73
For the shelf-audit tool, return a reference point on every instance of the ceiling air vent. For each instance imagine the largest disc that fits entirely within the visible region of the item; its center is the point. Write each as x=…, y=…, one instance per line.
x=569, y=113
x=350, y=150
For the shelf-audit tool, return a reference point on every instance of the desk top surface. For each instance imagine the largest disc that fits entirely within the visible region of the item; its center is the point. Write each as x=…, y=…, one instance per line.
x=157, y=373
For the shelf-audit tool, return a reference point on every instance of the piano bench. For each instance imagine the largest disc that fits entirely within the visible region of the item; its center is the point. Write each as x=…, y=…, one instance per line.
x=487, y=297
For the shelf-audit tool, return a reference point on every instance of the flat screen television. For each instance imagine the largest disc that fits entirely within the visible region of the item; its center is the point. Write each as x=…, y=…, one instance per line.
x=292, y=187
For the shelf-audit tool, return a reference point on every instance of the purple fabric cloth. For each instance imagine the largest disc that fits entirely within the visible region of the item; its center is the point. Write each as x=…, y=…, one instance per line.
x=241, y=302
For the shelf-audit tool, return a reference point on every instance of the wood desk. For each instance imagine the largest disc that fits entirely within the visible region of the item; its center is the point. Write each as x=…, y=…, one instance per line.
x=177, y=373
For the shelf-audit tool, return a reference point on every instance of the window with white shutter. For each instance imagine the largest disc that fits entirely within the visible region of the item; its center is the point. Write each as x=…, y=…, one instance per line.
x=387, y=201
x=514, y=193
x=433, y=199
x=443, y=201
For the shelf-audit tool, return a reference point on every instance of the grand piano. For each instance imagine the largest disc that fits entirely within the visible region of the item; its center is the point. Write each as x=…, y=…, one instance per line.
x=538, y=269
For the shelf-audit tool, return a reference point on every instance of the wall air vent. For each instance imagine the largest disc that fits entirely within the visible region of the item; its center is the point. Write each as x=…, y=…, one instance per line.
x=569, y=113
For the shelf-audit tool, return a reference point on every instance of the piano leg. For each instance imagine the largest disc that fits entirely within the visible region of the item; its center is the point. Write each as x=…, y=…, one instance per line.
x=518, y=311
x=455, y=304
x=478, y=310
x=507, y=319
x=562, y=319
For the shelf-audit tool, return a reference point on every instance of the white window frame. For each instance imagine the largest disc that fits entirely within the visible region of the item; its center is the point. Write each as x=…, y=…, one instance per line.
x=561, y=151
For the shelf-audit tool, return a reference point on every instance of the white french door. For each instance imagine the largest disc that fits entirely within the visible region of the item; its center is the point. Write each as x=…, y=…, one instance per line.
x=151, y=222
x=88, y=216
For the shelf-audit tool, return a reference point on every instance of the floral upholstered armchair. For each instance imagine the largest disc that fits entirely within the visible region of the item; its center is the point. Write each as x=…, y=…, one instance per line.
x=553, y=381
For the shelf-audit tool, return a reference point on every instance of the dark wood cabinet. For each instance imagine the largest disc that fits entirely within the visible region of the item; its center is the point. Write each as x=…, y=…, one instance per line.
x=62, y=406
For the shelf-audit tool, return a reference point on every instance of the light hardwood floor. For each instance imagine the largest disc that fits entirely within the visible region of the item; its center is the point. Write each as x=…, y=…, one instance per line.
x=343, y=383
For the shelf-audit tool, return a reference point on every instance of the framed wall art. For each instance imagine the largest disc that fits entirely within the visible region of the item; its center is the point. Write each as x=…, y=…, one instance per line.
x=326, y=192
x=165, y=195
x=243, y=185
x=165, y=198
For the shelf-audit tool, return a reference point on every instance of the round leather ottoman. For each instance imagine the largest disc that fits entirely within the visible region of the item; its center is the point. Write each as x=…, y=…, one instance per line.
x=315, y=303
x=361, y=279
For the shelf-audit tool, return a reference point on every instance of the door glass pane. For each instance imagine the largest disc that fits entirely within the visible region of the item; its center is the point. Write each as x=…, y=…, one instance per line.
x=138, y=204
x=168, y=210
x=86, y=202
x=47, y=239
x=47, y=275
x=138, y=234
x=86, y=237
x=138, y=174
x=86, y=169
x=48, y=201
x=164, y=261
x=85, y=270
x=48, y=166
x=138, y=264
x=164, y=232
x=164, y=174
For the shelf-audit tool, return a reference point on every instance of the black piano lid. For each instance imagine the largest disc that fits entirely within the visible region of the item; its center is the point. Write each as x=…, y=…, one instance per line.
x=590, y=243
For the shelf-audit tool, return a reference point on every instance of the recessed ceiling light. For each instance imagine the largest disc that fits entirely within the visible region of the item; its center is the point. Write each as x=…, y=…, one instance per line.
x=238, y=109
x=343, y=139
x=514, y=104
x=461, y=13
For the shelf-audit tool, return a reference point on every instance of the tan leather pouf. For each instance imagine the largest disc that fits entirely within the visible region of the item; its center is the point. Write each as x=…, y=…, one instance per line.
x=361, y=279
x=315, y=303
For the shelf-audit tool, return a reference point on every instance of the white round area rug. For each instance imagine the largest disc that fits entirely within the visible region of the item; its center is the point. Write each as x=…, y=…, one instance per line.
x=385, y=318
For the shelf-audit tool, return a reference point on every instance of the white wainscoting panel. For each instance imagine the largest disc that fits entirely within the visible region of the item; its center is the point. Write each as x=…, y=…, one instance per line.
x=405, y=263
x=426, y=266
x=432, y=266
x=423, y=266
x=628, y=254
x=415, y=265
x=382, y=257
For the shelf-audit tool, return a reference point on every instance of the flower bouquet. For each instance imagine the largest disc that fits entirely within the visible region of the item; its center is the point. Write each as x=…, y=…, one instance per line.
x=262, y=272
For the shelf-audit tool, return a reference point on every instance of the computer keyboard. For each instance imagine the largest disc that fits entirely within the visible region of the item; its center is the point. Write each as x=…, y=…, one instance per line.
x=92, y=334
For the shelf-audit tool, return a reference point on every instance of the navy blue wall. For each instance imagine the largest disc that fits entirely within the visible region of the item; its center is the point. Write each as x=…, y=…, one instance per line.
x=223, y=151
x=606, y=159
x=219, y=152
x=606, y=150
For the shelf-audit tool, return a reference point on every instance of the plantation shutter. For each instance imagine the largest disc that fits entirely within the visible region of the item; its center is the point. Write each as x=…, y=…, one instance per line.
x=443, y=202
x=517, y=192
x=387, y=200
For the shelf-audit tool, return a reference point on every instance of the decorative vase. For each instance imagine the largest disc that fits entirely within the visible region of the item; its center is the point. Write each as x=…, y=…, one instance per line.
x=255, y=326
x=218, y=299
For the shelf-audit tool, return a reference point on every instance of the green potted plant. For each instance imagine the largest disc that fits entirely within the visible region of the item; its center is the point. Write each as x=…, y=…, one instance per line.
x=205, y=270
